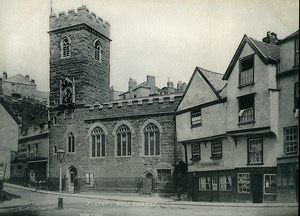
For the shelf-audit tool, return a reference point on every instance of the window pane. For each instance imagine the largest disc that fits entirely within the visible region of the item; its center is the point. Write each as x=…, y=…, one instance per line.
x=129, y=143
x=119, y=145
x=98, y=145
x=151, y=143
x=103, y=145
x=146, y=144
x=157, y=146
x=93, y=145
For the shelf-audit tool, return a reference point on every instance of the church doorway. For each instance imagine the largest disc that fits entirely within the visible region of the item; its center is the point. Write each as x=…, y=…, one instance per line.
x=71, y=174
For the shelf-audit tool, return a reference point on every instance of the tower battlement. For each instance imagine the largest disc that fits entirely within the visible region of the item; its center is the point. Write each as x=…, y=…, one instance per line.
x=82, y=15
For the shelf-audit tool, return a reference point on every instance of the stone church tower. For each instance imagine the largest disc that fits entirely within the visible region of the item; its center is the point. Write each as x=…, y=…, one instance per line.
x=79, y=59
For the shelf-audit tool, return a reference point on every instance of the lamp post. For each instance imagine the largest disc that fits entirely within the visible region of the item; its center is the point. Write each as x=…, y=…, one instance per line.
x=60, y=156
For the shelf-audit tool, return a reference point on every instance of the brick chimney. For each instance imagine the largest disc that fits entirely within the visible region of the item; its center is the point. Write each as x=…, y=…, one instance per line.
x=27, y=77
x=271, y=38
x=4, y=76
x=32, y=81
x=151, y=83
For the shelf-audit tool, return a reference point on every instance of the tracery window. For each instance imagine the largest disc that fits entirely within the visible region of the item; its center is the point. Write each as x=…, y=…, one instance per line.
x=98, y=142
x=123, y=141
x=66, y=45
x=151, y=141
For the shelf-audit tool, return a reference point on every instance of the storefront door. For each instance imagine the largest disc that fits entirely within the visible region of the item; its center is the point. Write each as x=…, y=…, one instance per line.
x=257, y=188
x=215, y=189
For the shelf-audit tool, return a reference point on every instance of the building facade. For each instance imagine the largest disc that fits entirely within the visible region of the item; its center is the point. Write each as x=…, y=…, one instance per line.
x=22, y=86
x=130, y=142
x=233, y=136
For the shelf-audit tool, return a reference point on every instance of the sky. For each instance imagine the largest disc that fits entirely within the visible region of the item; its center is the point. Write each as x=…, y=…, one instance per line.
x=163, y=38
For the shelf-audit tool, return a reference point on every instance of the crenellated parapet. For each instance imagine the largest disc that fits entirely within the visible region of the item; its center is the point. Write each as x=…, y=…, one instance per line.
x=81, y=16
x=163, y=99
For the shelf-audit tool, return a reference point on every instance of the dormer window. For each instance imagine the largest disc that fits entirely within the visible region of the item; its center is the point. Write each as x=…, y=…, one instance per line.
x=246, y=71
x=65, y=47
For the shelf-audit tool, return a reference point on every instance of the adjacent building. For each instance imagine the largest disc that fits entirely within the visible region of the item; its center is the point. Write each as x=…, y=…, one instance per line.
x=22, y=86
x=239, y=129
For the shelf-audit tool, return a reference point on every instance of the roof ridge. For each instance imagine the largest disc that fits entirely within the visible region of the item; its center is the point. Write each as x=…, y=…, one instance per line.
x=200, y=68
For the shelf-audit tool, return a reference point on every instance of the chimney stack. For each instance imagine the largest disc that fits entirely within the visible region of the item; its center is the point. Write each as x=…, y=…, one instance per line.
x=4, y=75
x=179, y=85
x=271, y=38
x=131, y=84
x=151, y=83
x=32, y=81
x=27, y=77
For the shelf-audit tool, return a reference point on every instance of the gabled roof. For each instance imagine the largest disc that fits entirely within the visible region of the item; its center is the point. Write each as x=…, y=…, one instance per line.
x=290, y=37
x=20, y=79
x=268, y=53
x=213, y=79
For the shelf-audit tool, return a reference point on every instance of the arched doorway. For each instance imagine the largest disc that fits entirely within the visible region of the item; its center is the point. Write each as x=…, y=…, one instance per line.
x=71, y=174
x=148, y=183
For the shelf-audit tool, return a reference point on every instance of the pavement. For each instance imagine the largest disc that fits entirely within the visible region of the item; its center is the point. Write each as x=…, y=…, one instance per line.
x=135, y=198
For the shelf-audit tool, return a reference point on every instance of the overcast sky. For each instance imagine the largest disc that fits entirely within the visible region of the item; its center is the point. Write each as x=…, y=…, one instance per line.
x=164, y=38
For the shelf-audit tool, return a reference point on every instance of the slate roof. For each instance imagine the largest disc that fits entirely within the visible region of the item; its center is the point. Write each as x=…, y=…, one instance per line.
x=29, y=112
x=269, y=50
x=20, y=79
x=214, y=78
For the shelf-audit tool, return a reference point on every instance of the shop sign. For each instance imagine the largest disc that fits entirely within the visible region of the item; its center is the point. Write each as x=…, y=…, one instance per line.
x=210, y=164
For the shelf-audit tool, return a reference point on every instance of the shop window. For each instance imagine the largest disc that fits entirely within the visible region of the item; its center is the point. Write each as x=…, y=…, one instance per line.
x=225, y=183
x=214, y=183
x=246, y=71
x=246, y=109
x=152, y=140
x=291, y=140
x=89, y=179
x=196, y=153
x=270, y=183
x=204, y=184
x=98, y=142
x=71, y=143
x=123, y=141
x=216, y=149
x=36, y=149
x=164, y=175
x=196, y=118
x=255, y=151
x=243, y=182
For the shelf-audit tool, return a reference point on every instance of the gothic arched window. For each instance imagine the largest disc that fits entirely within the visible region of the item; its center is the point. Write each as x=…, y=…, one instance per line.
x=71, y=143
x=66, y=45
x=97, y=51
x=123, y=141
x=98, y=142
x=151, y=140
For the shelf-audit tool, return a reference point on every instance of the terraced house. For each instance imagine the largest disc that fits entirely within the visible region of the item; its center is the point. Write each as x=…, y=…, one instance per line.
x=240, y=129
x=127, y=144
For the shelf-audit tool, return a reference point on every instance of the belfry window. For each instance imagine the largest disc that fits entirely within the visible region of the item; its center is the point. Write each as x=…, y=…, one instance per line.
x=98, y=51
x=98, y=142
x=66, y=45
x=152, y=142
x=123, y=141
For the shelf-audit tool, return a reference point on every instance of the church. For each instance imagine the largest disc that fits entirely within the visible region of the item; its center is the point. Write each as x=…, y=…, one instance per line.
x=130, y=143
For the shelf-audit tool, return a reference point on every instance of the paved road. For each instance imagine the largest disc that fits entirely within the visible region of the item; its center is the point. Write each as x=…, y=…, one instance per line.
x=46, y=204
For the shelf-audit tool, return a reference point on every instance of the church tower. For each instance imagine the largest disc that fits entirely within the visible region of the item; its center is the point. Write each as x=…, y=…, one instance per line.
x=79, y=58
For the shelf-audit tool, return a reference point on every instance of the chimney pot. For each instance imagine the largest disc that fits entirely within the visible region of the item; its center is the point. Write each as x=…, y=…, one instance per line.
x=27, y=77
x=271, y=38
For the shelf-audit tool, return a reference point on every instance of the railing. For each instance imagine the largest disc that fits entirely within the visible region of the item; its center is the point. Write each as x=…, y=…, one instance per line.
x=126, y=185
x=246, y=115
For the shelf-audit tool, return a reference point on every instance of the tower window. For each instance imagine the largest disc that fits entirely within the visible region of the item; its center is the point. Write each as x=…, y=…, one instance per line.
x=66, y=45
x=97, y=51
x=71, y=143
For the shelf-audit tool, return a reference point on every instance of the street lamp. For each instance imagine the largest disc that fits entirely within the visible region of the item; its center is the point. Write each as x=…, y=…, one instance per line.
x=60, y=156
